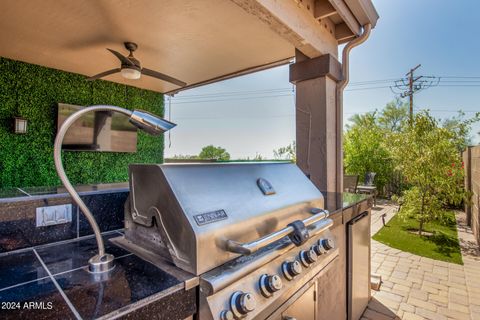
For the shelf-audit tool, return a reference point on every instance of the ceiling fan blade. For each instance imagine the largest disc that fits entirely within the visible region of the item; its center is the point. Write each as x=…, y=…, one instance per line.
x=103, y=74
x=122, y=58
x=162, y=76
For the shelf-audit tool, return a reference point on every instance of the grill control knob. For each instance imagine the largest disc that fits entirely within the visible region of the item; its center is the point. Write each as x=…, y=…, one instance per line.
x=307, y=257
x=327, y=243
x=318, y=249
x=291, y=269
x=242, y=303
x=270, y=284
x=321, y=249
x=226, y=315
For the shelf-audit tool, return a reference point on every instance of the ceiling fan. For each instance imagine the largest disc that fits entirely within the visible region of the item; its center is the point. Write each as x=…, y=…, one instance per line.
x=130, y=68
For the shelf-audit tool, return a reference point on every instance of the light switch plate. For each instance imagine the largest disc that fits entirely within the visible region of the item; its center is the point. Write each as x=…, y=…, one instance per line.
x=53, y=215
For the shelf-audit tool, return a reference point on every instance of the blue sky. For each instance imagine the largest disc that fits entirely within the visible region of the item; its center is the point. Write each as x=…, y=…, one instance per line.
x=254, y=114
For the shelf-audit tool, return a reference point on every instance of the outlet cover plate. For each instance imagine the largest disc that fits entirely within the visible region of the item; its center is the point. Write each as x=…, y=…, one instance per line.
x=53, y=215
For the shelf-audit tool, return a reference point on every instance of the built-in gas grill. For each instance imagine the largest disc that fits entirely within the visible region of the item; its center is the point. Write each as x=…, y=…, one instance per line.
x=255, y=234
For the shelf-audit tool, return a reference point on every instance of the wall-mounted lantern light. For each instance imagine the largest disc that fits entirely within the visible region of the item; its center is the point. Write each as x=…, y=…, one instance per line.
x=20, y=125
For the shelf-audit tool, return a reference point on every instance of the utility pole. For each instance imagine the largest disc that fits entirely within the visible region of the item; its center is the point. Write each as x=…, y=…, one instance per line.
x=409, y=85
x=410, y=91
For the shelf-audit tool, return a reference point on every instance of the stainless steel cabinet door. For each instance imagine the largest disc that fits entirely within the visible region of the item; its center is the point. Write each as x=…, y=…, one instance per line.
x=303, y=308
x=358, y=265
x=331, y=292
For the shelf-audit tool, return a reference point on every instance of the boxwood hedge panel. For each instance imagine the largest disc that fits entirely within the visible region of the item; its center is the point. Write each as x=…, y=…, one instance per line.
x=32, y=92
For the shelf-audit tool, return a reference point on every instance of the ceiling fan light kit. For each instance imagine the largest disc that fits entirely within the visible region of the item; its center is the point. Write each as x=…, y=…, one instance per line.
x=130, y=68
x=130, y=73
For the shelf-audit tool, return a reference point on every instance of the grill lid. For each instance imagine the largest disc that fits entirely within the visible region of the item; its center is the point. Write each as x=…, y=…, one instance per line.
x=188, y=212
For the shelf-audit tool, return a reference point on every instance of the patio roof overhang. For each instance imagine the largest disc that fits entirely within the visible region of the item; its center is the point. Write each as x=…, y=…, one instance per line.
x=198, y=42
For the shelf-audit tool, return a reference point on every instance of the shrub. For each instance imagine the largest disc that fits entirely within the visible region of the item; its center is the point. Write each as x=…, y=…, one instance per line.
x=365, y=150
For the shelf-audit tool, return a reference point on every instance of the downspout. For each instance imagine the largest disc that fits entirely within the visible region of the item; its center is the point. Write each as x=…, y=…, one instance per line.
x=340, y=87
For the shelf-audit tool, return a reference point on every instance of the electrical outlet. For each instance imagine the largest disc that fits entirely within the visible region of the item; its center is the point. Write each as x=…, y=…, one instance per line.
x=53, y=215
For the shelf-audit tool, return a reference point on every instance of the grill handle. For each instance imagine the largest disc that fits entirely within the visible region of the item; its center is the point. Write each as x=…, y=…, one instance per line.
x=255, y=245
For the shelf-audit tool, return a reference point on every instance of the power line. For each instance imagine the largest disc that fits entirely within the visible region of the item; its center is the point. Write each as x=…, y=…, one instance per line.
x=360, y=83
x=293, y=115
x=211, y=98
x=371, y=88
x=364, y=85
x=459, y=85
x=450, y=111
x=236, y=117
x=418, y=83
x=424, y=109
x=232, y=99
x=273, y=90
x=462, y=77
x=227, y=93
x=460, y=80
x=248, y=92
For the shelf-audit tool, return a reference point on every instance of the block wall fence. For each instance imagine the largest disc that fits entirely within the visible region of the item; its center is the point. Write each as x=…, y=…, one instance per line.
x=471, y=158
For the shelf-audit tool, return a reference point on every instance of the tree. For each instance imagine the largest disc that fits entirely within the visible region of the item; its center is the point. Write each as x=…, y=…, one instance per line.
x=286, y=153
x=394, y=116
x=461, y=128
x=362, y=120
x=426, y=154
x=212, y=152
x=365, y=150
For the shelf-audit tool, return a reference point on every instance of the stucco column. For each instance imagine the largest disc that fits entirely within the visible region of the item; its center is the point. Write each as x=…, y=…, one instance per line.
x=318, y=132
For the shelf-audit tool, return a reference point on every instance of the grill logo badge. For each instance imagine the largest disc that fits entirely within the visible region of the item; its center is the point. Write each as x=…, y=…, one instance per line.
x=265, y=186
x=209, y=217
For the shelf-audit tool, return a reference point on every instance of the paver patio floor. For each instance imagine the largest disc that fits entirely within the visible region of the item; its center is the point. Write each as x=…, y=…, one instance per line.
x=415, y=287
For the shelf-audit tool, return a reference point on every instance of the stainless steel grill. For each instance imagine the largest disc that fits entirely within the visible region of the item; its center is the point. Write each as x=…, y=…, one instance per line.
x=253, y=233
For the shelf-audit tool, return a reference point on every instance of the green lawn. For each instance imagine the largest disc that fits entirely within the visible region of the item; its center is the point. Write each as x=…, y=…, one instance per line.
x=442, y=244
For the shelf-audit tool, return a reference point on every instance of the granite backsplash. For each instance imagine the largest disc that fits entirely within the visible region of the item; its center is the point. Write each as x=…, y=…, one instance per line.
x=18, y=228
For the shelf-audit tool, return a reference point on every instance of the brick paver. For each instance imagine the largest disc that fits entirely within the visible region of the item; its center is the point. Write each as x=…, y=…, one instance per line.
x=421, y=288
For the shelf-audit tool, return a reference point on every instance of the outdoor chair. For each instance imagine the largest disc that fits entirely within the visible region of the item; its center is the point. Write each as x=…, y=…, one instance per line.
x=370, y=178
x=350, y=183
x=368, y=187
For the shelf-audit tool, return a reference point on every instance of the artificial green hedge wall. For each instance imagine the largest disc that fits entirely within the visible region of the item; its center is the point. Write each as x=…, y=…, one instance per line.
x=32, y=92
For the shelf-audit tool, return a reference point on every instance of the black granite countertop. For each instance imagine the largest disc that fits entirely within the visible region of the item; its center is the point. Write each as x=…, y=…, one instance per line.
x=337, y=201
x=52, y=282
x=32, y=193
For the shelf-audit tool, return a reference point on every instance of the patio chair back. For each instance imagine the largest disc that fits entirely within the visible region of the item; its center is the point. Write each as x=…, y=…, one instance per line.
x=350, y=183
x=370, y=178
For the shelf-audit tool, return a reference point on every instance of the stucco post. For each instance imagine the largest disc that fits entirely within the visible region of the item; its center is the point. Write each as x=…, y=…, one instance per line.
x=317, y=132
